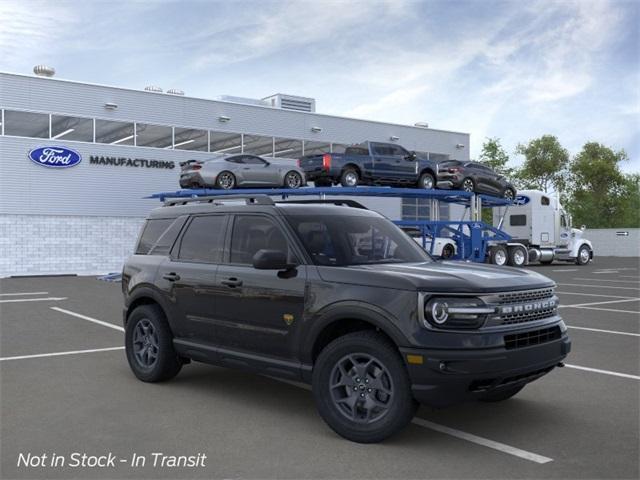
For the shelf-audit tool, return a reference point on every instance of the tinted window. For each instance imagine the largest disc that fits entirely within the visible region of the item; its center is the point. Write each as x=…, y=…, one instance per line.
x=26, y=124
x=238, y=159
x=153, y=229
x=357, y=151
x=252, y=233
x=168, y=238
x=355, y=240
x=544, y=201
x=114, y=133
x=518, y=220
x=251, y=160
x=158, y=136
x=203, y=241
x=72, y=128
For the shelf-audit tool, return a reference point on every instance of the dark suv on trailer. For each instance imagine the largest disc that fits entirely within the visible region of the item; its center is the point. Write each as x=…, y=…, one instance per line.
x=336, y=296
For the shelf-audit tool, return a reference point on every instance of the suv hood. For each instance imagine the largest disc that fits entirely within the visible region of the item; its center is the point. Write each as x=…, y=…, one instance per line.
x=439, y=276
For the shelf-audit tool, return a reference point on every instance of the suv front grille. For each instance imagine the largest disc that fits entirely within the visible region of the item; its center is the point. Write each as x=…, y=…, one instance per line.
x=525, y=299
x=535, y=337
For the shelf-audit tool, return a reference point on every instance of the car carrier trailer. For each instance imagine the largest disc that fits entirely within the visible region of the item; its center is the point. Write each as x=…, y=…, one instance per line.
x=469, y=238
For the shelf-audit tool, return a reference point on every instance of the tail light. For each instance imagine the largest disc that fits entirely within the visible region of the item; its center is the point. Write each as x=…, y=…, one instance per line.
x=326, y=161
x=298, y=162
x=454, y=170
x=196, y=167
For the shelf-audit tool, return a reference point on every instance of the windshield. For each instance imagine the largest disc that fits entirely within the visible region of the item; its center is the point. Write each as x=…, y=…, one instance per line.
x=342, y=240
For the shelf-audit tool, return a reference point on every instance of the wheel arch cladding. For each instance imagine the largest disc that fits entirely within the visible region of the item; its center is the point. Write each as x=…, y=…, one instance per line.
x=145, y=298
x=353, y=166
x=428, y=170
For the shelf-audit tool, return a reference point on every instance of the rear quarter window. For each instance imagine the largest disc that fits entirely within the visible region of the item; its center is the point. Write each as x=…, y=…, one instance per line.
x=151, y=232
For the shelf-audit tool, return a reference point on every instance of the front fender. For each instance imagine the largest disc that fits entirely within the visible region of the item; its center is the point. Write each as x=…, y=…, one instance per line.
x=351, y=310
x=577, y=244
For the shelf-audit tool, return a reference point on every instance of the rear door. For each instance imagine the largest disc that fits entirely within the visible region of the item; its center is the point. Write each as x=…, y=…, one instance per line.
x=189, y=276
x=258, y=310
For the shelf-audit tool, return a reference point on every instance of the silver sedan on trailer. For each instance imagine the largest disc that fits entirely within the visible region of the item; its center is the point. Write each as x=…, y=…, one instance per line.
x=227, y=172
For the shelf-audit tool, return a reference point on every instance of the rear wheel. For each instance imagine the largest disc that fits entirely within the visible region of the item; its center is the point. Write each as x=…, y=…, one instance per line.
x=517, y=256
x=468, y=185
x=226, y=180
x=149, y=345
x=361, y=387
x=349, y=178
x=498, y=255
x=427, y=181
x=448, y=251
x=293, y=180
x=501, y=395
x=509, y=194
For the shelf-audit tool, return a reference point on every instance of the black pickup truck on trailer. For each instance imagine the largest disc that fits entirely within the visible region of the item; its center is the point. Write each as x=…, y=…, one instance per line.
x=370, y=163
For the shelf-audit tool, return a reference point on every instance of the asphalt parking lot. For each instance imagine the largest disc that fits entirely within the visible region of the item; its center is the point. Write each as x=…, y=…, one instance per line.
x=66, y=387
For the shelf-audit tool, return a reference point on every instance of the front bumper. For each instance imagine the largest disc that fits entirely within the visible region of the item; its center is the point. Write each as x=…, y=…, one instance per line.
x=447, y=377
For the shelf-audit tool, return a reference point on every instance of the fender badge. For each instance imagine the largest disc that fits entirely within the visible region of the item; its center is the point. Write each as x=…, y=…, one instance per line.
x=288, y=318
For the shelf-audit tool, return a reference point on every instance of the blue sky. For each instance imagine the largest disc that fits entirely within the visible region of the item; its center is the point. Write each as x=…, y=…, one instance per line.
x=513, y=70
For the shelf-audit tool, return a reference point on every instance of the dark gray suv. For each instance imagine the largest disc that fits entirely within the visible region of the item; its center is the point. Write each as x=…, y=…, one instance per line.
x=336, y=296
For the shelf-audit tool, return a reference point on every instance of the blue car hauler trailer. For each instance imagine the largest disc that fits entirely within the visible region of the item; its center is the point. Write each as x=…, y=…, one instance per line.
x=474, y=238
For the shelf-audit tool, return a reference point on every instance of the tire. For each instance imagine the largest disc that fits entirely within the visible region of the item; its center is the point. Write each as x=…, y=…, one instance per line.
x=517, y=257
x=501, y=395
x=293, y=180
x=584, y=255
x=226, y=180
x=448, y=251
x=427, y=181
x=499, y=255
x=391, y=406
x=468, y=185
x=147, y=326
x=349, y=178
x=509, y=194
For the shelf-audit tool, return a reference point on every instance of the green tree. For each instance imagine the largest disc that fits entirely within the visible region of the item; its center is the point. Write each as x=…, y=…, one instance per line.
x=545, y=164
x=494, y=156
x=600, y=195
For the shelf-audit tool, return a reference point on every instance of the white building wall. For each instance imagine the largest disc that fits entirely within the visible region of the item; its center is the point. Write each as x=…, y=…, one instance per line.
x=607, y=242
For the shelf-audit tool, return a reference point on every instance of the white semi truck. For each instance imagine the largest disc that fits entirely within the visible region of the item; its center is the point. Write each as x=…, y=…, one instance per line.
x=539, y=226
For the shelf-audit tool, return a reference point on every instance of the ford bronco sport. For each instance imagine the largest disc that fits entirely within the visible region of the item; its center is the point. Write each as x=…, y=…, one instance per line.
x=335, y=296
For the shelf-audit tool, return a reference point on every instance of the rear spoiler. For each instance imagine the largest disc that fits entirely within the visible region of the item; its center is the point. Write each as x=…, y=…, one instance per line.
x=189, y=162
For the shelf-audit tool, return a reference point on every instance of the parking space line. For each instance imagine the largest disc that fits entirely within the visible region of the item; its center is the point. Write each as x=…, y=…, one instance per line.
x=598, y=286
x=44, y=299
x=592, y=295
x=59, y=354
x=606, y=280
x=606, y=372
x=88, y=319
x=22, y=293
x=600, y=303
x=604, y=272
x=629, y=276
x=485, y=442
x=566, y=270
x=610, y=310
x=604, y=331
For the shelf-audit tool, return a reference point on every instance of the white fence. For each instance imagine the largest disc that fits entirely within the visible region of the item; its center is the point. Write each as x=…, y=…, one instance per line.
x=614, y=242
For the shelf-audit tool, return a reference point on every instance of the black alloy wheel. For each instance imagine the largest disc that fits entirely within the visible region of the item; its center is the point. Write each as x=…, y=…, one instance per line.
x=226, y=180
x=293, y=180
x=468, y=185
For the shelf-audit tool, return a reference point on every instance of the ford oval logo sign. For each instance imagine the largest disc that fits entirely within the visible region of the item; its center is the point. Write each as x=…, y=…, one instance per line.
x=521, y=200
x=55, y=157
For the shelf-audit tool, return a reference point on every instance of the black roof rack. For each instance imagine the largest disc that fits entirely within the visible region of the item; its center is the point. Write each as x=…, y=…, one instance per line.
x=219, y=200
x=339, y=202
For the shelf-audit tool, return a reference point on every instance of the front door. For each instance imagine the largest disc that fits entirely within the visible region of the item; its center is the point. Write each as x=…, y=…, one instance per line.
x=393, y=163
x=258, y=310
x=257, y=171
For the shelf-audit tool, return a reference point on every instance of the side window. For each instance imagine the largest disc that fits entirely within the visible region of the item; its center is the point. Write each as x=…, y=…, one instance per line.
x=204, y=239
x=252, y=233
x=251, y=160
x=544, y=201
x=518, y=220
x=168, y=238
x=398, y=151
x=563, y=221
x=237, y=159
x=151, y=233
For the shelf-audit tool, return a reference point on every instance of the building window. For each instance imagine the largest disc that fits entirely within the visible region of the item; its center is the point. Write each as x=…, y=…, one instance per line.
x=258, y=145
x=316, y=148
x=225, y=143
x=26, y=124
x=157, y=136
x=71, y=128
x=190, y=139
x=287, y=148
x=114, y=133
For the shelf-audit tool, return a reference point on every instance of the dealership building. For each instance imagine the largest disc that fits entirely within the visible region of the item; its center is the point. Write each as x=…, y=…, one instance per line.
x=127, y=144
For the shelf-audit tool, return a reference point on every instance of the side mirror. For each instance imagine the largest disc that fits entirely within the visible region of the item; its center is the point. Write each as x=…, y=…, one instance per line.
x=411, y=157
x=583, y=227
x=271, y=260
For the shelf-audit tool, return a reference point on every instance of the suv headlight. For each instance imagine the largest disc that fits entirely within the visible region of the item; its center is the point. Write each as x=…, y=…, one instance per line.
x=455, y=312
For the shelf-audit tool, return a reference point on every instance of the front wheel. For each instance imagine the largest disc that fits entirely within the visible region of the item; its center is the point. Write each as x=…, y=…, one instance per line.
x=149, y=345
x=427, y=181
x=293, y=180
x=584, y=255
x=361, y=387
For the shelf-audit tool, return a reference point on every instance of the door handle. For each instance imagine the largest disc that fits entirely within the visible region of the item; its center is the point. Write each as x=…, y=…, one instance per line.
x=172, y=276
x=232, y=282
